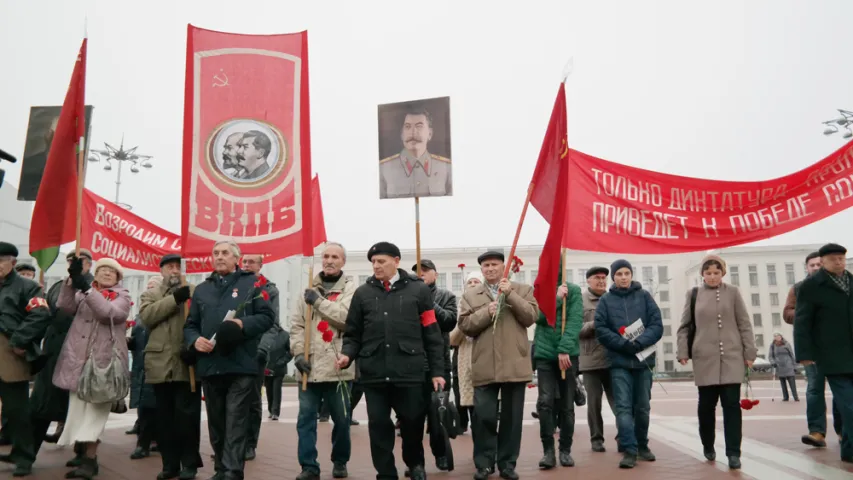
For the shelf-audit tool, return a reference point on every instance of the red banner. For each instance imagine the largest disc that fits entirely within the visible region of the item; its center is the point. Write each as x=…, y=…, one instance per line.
x=246, y=158
x=620, y=209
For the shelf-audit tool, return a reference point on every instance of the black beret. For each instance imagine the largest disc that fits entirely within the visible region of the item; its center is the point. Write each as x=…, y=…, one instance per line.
x=383, y=248
x=832, y=248
x=424, y=264
x=169, y=258
x=24, y=266
x=596, y=270
x=490, y=255
x=7, y=249
x=83, y=253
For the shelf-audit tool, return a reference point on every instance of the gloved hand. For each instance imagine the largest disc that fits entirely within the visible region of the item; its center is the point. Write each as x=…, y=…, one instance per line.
x=302, y=365
x=181, y=294
x=75, y=268
x=311, y=296
x=80, y=283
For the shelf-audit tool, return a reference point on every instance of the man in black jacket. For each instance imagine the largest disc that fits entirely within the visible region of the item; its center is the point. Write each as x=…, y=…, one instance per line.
x=229, y=313
x=391, y=324
x=444, y=304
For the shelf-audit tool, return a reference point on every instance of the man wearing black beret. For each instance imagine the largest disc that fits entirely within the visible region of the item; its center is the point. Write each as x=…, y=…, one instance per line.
x=823, y=332
x=161, y=311
x=391, y=325
x=24, y=318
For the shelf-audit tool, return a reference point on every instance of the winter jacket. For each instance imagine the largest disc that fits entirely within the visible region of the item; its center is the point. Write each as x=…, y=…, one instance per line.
x=274, y=351
x=332, y=307
x=94, y=316
x=388, y=332
x=141, y=392
x=446, y=315
x=823, y=326
x=791, y=304
x=210, y=302
x=620, y=307
x=593, y=355
x=552, y=341
x=464, y=346
x=782, y=358
x=24, y=318
x=165, y=320
x=501, y=351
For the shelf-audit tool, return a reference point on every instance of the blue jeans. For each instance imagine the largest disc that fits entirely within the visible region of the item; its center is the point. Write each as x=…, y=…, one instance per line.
x=306, y=424
x=632, y=390
x=842, y=393
x=816, y=402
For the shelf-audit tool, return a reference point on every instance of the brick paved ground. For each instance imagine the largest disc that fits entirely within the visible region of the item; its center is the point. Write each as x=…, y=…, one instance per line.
x=771, y=449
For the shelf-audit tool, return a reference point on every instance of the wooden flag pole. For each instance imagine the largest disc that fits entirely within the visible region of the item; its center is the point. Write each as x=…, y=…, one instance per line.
x=309, y=324
x=518, y=230
x=81, y=180
x=563, y=327
x=186, y=313
x=418, y=236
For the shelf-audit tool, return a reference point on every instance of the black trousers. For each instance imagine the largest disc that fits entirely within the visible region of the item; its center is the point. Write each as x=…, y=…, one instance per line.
x=272, y=384
x=177, y=425
x=228, y=399
x=729, y=397
x=147, y=419
x=408, y=402
x=556, y=402
x=792, y=381
x=356, y=393
x=436, y=440
x=15, y=398
x=490, y=444
x=256, y=412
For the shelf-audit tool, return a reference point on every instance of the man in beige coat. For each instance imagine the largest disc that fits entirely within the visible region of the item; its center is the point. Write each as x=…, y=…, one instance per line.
x=500, y=363
x=330, y=296
x=161, y=311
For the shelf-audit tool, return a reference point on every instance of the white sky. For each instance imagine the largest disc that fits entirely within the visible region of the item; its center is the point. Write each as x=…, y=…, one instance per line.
x=728, y=90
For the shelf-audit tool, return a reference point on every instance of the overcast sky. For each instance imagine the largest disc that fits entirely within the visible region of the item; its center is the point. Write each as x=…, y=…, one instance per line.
x=727, y=90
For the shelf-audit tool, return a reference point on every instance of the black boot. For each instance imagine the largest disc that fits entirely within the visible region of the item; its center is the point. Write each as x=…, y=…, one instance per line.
x=549, y=458
x=79, y=454
x=87, y=469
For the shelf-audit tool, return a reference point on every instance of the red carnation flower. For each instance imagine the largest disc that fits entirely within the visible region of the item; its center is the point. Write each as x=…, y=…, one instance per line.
x=461, y=265
x=202, y=398
x=263, y=280
x=130, y=324
x=328, y=336
x=322, y=326
x=622, y=330
x=267, y=371
x=746, y=404
x=265, y=295
x=755, y=402
x=531, y=385
x=132, y=304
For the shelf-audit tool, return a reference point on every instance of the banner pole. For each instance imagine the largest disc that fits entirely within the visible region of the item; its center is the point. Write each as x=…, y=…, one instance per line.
x=563, y=277
x=81, y=180
x=186, y=313
x=518, y=230
x=418, y=236
x=309, y=324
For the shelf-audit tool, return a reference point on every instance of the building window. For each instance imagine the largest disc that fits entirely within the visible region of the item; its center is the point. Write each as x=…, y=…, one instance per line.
x=520, y=277
x=790, y=277
x=349, y=278
x=664, y=295
x=759, y=340
x=441, y=280
x=777, y=320
x=774, y=299
x=667, y=331
x=753, y=276
x=756, y=300
x=570, y=278
x=456, y=279
x=664, y=313
x=362, y=279
x=534, y=273
x=771, y=275
x=667, y=347
x=663, y=275
x=668, y=365
x=648, y=275
x=734, y=275
x=756, y=319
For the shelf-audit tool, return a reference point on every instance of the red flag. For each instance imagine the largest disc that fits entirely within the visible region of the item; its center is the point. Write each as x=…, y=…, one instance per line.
x=318, y=223
x=549, y=196
x=55, y=212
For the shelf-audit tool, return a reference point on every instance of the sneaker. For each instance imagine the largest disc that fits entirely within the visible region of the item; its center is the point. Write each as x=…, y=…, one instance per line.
x=646, y=455
x=339, y=470
x=628, y=461
x=814, y=439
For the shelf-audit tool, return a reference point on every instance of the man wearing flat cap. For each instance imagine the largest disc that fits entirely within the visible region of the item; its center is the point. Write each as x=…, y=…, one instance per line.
x=501, y=363
x=167, y=362
x=24, y=317
x=26, y=270
x=444, y=304
x=823, y=332
x=390, y=326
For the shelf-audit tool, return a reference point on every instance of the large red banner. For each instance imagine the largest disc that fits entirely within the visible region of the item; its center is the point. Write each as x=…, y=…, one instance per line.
x=246, y=158
x=621, y=209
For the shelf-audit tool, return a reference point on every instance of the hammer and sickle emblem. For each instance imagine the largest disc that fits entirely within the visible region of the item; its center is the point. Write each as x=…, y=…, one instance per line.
x=565, y=151
x=222, y=78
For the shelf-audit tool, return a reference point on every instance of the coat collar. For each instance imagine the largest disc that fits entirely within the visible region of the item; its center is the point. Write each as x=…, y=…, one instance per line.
x=337, y=287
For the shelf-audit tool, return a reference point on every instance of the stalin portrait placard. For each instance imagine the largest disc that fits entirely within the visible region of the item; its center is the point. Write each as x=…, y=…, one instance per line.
x=414, y=149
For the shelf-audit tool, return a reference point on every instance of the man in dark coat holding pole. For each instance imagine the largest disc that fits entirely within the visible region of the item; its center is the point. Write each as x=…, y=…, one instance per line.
x=390, y=326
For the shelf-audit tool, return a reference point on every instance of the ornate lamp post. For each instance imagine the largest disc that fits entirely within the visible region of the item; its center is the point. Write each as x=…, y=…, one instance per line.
x=120, y=156
x=845, y=121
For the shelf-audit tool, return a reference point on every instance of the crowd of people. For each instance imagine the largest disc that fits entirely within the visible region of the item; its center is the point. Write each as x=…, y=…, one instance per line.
x=400, y=342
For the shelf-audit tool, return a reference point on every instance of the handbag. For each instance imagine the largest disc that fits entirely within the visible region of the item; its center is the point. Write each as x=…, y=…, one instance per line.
x=119, y=406
x=691, y=326
x=103, y=385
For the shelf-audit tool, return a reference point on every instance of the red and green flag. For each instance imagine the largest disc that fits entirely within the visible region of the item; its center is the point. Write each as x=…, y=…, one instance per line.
x=56, y=210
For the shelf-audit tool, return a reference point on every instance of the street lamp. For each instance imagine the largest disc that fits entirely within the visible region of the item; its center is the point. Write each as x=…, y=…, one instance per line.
x=845, y=121
x=119, y=155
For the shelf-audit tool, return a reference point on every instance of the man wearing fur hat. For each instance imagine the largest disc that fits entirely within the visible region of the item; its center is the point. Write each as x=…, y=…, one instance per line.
x=229, y=312
x=24, y=317
x=391, y=324
x=500, y=367
x=167, y=362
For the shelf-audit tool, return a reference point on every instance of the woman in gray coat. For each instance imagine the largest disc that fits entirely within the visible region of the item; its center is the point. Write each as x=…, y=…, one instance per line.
x=723, y=347
x=781, y=356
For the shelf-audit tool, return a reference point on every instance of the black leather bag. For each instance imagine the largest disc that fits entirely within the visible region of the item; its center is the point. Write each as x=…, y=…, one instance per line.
x=447, y=425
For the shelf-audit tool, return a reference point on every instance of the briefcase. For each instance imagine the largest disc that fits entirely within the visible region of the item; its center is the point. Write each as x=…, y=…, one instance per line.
x=443, y=413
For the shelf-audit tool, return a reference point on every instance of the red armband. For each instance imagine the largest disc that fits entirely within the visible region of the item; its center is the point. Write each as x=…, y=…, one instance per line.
x=428, y=318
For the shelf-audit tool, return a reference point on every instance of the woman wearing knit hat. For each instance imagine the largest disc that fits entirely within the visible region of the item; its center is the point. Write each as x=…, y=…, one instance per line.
x=631, y=378
x=100, y=311
x=716, y=333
